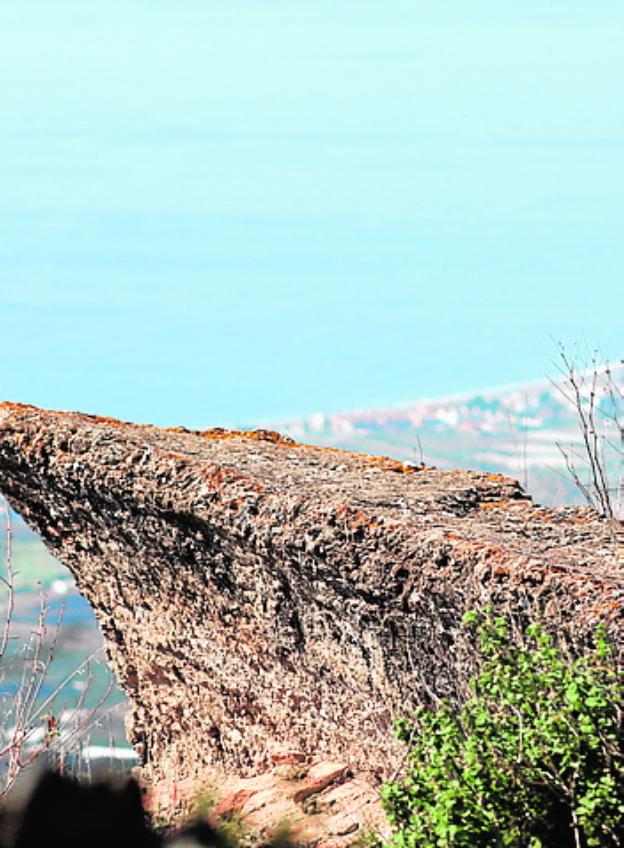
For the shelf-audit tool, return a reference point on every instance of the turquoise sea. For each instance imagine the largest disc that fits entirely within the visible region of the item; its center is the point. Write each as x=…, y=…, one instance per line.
x=231, y=213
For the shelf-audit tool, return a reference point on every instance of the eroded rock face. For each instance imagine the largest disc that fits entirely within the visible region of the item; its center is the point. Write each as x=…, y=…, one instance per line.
x=320, y=804
x=254, y=592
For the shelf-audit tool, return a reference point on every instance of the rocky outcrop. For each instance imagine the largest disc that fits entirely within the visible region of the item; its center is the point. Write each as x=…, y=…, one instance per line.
x=254, y=592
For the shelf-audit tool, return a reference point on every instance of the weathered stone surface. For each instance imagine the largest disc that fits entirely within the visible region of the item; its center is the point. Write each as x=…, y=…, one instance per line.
x=257, y=593
x=320, y=803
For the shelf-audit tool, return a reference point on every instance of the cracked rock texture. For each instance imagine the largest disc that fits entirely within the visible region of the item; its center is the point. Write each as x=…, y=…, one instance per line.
x=254, y=592
x=320, y=803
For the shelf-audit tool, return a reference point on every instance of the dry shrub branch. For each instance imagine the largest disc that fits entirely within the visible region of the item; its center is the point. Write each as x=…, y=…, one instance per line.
x=595, y=460
x=30, y=728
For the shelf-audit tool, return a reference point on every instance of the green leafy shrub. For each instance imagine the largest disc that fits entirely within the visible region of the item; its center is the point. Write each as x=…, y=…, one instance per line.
x=534, y=759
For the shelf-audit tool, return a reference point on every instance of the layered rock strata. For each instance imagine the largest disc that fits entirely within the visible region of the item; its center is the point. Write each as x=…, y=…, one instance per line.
x=254, y=592
x=306, y=803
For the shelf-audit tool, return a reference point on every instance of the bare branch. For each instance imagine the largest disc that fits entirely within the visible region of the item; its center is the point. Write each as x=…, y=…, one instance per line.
x=585, y=390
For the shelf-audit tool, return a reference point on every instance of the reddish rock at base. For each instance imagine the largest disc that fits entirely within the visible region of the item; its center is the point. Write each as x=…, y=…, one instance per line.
x=319, y=805
x=284, y=755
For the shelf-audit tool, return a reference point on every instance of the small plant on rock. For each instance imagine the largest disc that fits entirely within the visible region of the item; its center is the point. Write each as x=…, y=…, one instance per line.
x=534, y=759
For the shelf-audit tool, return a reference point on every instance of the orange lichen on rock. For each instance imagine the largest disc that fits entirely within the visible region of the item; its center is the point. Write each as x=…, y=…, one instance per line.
x=507, y=503
x=386, y=463
x=14, y=406
x=255, y=435
x=496, y=478
x=355, y=520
